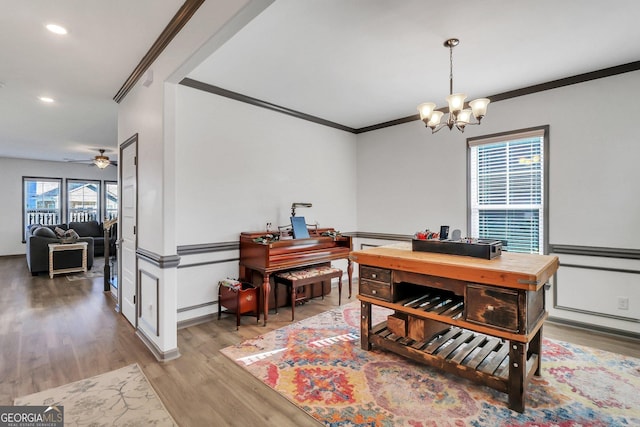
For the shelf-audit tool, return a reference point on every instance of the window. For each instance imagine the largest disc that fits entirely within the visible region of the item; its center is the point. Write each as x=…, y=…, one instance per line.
x=41, y=201
x=83, y=200
x=110, y=200
x=507, y=189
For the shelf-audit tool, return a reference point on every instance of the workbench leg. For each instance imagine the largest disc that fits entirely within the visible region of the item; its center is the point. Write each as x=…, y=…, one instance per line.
x=365, y=325
x=517, y=375
x=535, y=347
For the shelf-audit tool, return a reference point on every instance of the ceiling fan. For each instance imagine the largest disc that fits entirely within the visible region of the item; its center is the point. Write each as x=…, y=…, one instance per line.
x=100, y=160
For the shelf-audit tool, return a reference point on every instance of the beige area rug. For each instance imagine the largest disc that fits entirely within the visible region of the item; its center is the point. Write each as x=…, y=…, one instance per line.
x=122, y=397
x=97, y=270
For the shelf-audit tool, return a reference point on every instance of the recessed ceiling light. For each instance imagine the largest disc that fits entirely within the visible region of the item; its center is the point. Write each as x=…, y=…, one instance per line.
x=57, y=29
x=46, y=99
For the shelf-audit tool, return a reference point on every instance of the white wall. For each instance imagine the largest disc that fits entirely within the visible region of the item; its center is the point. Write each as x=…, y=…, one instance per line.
x=409, y=179
x=11, y=228
x=238, y=167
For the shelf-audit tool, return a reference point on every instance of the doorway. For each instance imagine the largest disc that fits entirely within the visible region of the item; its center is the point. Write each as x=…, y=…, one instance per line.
x=127, y=265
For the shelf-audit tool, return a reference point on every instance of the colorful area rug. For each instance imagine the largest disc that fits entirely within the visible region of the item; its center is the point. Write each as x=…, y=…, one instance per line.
x=318, y=365
x=122, y=397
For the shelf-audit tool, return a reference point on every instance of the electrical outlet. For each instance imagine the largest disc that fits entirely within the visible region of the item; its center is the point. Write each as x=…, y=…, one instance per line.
x=623, y=303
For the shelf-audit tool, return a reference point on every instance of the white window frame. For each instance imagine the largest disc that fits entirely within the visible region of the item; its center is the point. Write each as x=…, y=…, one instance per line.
x=51, y=217
x=105, y=203
x=474, y=206
x=85, y=216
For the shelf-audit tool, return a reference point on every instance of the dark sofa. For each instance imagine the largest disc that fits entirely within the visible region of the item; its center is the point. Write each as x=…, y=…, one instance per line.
x=38, y=240
x=94, y=229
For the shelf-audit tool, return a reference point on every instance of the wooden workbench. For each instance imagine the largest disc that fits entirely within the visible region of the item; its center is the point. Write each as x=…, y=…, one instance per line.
x=480, y=319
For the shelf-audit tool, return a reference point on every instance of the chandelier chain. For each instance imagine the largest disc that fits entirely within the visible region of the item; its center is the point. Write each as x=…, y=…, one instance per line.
x=450, y=69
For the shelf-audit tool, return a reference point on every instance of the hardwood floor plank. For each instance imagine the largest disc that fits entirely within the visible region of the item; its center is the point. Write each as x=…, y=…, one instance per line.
x=53, y=331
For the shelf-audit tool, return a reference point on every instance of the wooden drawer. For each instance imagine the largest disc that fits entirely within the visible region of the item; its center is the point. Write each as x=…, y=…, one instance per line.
x=375, y=289
x=377, y=274
x=492, y=307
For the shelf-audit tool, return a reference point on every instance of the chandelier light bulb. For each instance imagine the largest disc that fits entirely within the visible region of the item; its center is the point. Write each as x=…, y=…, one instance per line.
x=426, y=110
x=464, y=117
x=456, y=102
x=435, y=119
x=479, y=107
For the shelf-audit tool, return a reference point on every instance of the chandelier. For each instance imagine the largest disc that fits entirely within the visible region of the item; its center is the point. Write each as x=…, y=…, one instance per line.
x=458, y=115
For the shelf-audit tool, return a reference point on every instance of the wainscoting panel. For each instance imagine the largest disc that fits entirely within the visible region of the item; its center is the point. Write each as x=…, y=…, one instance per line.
x=149, y=302
x=198, y=275
x=598, y=292
x=598, y=289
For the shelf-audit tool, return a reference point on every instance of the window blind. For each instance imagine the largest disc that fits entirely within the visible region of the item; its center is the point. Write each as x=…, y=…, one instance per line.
x=507, y=190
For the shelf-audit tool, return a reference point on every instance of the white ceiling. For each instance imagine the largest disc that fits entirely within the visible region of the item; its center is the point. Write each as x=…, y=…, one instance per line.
x=354, y=62
x=82, y=71
x=364, y=62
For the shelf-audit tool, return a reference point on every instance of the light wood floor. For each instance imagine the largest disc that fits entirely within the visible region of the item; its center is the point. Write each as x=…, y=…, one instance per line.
x=53, y=331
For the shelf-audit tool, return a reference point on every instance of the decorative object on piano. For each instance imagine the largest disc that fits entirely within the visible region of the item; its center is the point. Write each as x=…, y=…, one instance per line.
x=285, y=232
x=444, y=232
x=334, y=234
x=267, y=238
x=299, y=226
x=477, y=248
x=299, y=205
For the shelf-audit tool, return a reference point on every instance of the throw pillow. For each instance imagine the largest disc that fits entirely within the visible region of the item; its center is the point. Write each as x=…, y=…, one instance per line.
x=59, y=231
x=44, y=232
x=71, y=233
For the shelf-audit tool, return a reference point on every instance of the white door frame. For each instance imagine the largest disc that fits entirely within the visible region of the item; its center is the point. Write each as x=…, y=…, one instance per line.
x=131, y=317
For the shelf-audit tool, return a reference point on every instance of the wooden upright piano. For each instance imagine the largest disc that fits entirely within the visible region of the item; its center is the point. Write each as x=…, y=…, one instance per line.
x=258, y=261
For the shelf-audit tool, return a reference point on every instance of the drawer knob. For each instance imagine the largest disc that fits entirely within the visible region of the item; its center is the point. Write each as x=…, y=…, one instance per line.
x=374, y=275
x=373, y=291
x=490, y=308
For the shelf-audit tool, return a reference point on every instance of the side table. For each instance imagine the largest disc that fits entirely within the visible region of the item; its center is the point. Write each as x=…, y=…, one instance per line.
x=57, y=247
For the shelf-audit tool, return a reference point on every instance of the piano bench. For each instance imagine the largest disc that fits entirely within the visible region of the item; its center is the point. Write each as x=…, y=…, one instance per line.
x=298, y=278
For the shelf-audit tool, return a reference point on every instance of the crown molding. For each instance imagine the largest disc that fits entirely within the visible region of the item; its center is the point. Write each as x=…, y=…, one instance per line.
x=555, y=84
x=179, y=20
